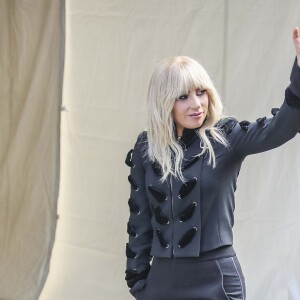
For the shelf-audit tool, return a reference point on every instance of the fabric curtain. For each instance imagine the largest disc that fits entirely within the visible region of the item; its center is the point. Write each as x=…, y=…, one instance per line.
x=31, y=68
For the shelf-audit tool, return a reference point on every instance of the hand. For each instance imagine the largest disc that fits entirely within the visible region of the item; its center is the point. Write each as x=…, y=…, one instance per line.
x=296, y=39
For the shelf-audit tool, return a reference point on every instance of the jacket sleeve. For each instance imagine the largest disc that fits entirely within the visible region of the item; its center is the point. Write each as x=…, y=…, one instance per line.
x=247, y=138
x=139, y=226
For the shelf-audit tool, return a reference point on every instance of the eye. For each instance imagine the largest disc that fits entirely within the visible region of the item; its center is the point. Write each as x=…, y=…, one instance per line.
x=186, y=96
x=183, y=97
x=200, y=92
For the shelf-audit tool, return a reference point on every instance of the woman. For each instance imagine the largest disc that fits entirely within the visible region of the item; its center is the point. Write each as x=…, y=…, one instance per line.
x=183, y=177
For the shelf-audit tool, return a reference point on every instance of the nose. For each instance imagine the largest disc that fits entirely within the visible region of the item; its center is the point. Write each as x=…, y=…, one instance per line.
x=195, y=101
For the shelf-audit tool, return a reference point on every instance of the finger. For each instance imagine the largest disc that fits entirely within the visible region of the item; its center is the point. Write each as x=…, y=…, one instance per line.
x=296, y=33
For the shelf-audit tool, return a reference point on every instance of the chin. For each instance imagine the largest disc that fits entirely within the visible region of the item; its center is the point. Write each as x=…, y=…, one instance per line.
x=196, y=125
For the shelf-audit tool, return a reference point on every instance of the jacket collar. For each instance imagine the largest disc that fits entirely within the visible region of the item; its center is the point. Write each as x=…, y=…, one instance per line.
x=188, y=135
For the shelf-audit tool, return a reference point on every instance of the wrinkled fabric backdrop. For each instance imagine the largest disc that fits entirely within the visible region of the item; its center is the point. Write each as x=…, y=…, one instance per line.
x=31, y=69
x=74, y=80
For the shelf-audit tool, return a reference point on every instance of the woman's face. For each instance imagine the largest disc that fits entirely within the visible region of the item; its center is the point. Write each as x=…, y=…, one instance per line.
x=190, y=110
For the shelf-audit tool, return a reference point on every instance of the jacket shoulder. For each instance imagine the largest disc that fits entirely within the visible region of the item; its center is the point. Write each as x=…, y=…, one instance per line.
x=142, y=137
x=141, y=145
x=227, y=124
x=142, y=141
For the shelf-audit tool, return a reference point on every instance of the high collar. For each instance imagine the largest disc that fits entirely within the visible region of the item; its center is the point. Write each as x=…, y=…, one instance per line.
x=188, y=135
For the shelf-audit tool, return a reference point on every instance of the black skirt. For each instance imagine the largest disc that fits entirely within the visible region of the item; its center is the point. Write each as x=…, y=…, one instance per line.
x=216, y=276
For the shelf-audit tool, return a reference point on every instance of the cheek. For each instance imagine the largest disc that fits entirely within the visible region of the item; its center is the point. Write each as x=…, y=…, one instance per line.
x=205, y=103
x=176, y=110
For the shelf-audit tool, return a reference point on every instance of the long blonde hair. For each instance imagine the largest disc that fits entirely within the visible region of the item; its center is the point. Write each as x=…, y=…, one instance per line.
x=173, y=77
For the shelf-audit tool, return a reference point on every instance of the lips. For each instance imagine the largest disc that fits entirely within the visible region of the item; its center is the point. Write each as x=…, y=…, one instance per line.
x=195, y=114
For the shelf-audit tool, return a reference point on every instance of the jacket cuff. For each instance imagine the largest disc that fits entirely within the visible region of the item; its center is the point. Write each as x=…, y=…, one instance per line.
x=295, y=79
x=139, y=285
x=132, y=276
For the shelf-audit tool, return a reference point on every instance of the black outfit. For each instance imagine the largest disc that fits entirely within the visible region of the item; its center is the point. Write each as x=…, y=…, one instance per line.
x=173, y=220
x=195, y=278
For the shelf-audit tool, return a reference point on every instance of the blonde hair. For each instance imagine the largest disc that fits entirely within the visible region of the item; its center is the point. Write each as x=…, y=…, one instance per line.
x=173, y=77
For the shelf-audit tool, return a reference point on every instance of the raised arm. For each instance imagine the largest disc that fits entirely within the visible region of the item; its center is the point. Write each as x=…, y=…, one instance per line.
x=267, y=133
x=139, y=225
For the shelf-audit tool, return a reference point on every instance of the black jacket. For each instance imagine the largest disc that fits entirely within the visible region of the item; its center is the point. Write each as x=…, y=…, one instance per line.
x=173, y=219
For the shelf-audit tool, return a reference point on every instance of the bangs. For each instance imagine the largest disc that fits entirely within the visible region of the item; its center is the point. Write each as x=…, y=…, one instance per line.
x=184, y=78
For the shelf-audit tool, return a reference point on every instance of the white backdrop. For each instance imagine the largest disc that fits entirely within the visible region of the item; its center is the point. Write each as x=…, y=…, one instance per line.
x=111, y=48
